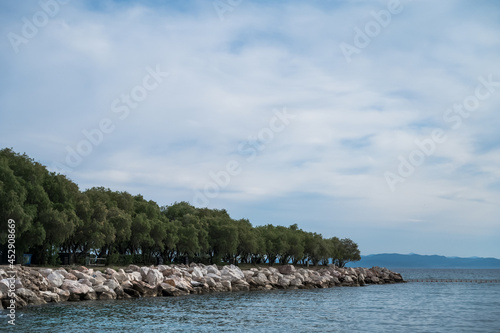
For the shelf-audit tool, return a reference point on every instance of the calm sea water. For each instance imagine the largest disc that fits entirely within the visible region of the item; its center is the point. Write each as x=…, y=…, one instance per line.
x=409, y=307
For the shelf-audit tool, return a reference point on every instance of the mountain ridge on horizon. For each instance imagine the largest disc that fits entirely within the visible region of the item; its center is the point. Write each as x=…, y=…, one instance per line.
x=413, y=260
x=425, y=255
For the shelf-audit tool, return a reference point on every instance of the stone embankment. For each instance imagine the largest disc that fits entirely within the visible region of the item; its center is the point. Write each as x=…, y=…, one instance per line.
x=36, y=286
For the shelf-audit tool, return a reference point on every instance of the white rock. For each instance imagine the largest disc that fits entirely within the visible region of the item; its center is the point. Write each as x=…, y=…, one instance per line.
x=134, y=268
x=211, y=282
x=50, y=296
x=233, y=272
x=45, y=271
x=261, y=279
x=101, y=289
x=86, y=282
x=110, y=271
x=55, y=279
x=226, y=285
x=120, y=276
x=197, y=272
x=248, y=274
x=144, y=272
x=161, y=268
x=112, y=284
x=75, y=287
x=213, y=276
x=154, y=277
x=212, y=269
x=135, y=276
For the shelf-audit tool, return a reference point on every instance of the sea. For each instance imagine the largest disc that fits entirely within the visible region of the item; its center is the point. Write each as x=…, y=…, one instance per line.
x=470, y=303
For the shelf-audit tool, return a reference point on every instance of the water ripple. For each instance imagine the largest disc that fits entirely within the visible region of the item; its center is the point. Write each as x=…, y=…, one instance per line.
x=410, y=307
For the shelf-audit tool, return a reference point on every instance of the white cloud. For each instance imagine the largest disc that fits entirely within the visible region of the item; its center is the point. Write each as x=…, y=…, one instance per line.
x=352, y=121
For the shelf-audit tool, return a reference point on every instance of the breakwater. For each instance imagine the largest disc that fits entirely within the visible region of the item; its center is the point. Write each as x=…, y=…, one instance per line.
x=36, y=286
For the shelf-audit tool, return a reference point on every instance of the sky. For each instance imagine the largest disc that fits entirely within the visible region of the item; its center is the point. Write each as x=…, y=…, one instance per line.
x=372, y=120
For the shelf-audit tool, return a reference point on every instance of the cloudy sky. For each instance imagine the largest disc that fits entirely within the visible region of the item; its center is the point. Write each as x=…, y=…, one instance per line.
x=371, y=120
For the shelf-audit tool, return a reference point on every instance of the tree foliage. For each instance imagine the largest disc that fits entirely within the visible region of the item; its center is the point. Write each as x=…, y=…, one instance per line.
x=52, y=215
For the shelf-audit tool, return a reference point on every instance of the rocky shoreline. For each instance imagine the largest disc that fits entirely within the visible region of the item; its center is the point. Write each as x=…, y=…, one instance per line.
x=37, y=286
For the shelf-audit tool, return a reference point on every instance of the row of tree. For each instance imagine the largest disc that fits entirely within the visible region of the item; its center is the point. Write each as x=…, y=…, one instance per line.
x=52, y=215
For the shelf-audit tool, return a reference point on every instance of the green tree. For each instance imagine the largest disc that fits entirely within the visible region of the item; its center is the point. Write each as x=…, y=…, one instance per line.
x=247, y=240
x=348, y=251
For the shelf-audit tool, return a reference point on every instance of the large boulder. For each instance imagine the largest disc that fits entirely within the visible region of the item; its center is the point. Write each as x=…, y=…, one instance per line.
x=161, y=268
x=197, y=272
x=135, y=276
x=119, y=292
x=287, y=269
x=227, y=286
x=81, y=275
x=120, y=276
x=239, y=285
x=154, y=277
x=75, y=288
x=347, y=279
x=273, y=279
x=132, y=292
x=45, y=271
x=213, y=276
x=29, y=296
x=66, y=274
x=63, y=294
x=144, y=289
x=90, y=296
x=134, y=268
x=19, y=284
x=20, y=302
x=107, y=295
x=179, y=283
x=234, y=273
x=211, y=282
x=101, y=289
x=127, y=284
x=284, y=282
x=86, y=282
x=55, y=279
x=261, y=279
x=352, y=271
x=112, y=284
x=4, y=286
x=248, y=274
x=197, y=284
x=212, y=269
x=144, y=272
x=99, y=278
x=110, y=271
x=166, y=289
x=296, y=282
x=49, y=296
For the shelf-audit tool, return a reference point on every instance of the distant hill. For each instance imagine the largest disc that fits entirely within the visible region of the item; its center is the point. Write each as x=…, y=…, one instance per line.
x=394, y=260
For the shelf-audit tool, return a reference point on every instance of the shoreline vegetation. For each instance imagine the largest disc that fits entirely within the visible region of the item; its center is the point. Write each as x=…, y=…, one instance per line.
x=38, y=285
x=47, y=216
